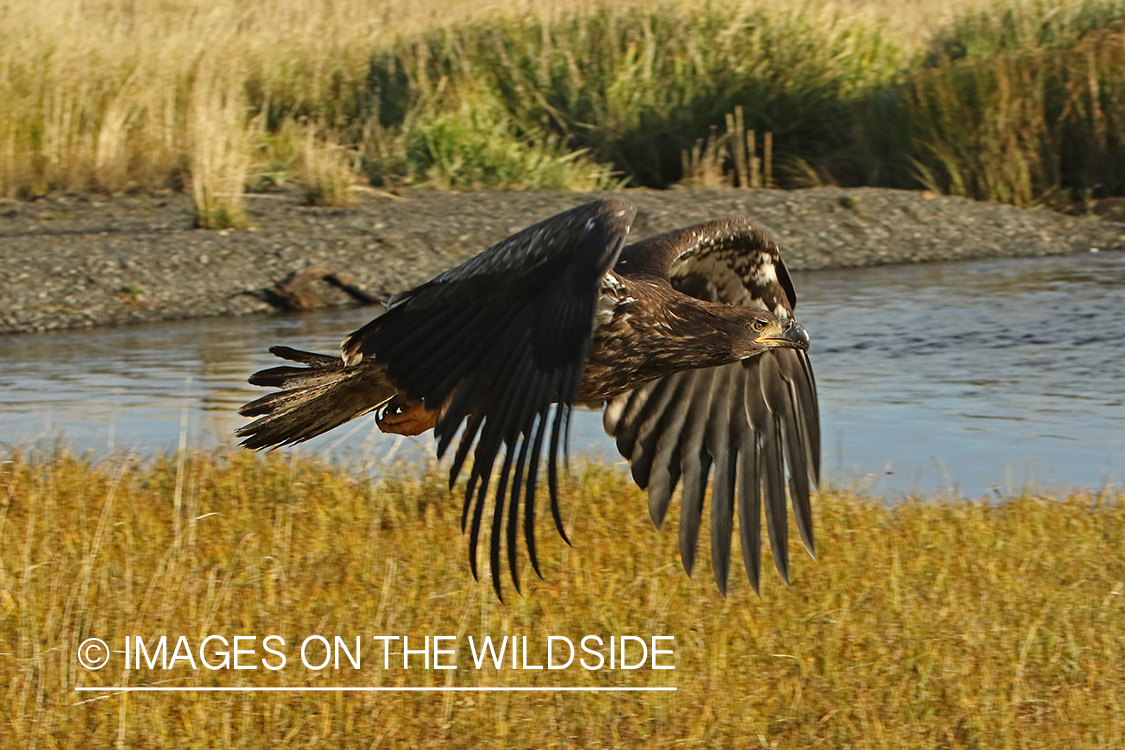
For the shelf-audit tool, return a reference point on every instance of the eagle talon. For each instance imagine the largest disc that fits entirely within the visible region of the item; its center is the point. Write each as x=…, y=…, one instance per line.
x=402, y=416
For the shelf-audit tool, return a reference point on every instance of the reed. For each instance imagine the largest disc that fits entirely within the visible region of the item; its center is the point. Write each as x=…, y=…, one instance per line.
x=1019, y=102
x=220, y=156
x=1020, y=124
x=327, y=171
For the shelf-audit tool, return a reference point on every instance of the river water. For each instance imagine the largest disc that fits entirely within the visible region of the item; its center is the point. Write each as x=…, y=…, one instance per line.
x=990, y=377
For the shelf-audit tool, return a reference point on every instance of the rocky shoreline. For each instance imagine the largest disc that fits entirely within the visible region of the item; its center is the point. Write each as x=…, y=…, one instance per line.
x=83, y=261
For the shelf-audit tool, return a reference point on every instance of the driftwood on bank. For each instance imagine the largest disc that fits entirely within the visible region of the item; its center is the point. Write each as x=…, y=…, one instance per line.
x=310, y=288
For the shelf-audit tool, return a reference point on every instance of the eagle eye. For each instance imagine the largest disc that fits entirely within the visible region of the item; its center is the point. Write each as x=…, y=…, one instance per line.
x=758, y=325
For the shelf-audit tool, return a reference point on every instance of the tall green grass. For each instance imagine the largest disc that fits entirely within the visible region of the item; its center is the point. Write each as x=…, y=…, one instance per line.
x=1020, y=102
x=928, y=624
x=1014, y=106
x=636, y=87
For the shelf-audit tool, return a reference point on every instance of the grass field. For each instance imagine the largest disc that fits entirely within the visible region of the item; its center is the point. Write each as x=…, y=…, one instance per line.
x=930, y=624
x=1023, y=102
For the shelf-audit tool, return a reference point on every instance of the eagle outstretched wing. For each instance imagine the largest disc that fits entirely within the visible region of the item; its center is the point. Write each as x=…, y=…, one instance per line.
x=491, y=344
x=753, y=421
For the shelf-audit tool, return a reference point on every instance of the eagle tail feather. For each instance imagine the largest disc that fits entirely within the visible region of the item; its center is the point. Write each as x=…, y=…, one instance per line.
x=320, y=396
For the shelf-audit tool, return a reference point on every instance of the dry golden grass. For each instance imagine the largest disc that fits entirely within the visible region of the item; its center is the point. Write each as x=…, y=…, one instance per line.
x=951, y=624
x=220, y=157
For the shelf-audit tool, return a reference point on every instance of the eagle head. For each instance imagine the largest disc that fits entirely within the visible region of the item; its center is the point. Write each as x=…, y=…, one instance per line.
x=768, y=331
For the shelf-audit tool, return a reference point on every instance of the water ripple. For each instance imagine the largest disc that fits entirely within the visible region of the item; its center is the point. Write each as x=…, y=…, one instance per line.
x=946, y=377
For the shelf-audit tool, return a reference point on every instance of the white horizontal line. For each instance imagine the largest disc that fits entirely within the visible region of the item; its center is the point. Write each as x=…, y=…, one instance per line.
x=143, y=689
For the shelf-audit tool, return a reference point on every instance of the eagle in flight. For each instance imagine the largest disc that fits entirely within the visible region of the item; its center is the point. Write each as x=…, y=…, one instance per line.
x=687, y=338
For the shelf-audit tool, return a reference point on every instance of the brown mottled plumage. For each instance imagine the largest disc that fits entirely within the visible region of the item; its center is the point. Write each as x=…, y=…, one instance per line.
x=687, y=337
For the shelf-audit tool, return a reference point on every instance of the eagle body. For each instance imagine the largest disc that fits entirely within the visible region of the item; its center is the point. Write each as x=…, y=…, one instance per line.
x=687, y=338
x=645, y=329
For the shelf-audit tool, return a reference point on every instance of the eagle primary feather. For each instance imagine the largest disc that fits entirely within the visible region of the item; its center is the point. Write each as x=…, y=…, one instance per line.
x=761, y=416
x=687, y=337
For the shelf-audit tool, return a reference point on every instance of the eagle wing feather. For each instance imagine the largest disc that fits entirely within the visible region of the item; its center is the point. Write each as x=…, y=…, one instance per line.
x=754, y=422
x=492, y=344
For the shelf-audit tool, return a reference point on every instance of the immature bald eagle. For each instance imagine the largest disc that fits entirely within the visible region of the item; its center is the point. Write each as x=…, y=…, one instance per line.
x=687, y=338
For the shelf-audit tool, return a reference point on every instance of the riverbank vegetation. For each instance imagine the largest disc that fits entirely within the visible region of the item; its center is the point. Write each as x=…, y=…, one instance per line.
x=1022, y=102
x=926, y=624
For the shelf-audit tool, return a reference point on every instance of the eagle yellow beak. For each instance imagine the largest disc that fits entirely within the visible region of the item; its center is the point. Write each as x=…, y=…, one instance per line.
x=791, y=336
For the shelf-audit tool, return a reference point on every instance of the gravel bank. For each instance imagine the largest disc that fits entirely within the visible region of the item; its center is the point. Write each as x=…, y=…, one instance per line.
x=85, y=261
